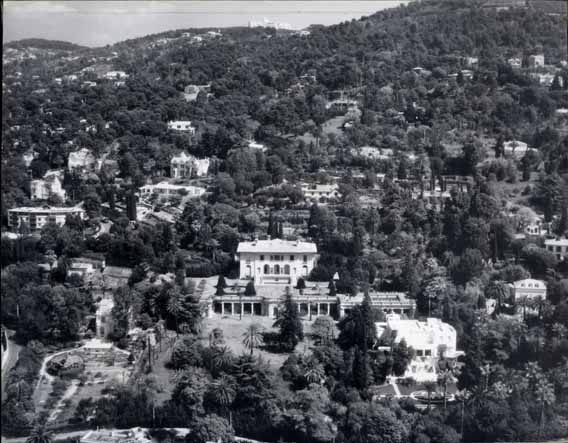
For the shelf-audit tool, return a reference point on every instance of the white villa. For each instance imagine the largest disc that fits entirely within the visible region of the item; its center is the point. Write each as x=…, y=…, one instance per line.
x=276, y=261
x=115, y=75
x=559, y=247
x=320, y=192
x=516, y=148
x=536, y=60
x=82, y=160
x=50, y=184
x=529, y=288
x=515, y=62
x=373, y=153
x=181, y=125
x=429, y=339
x=187, y=166
x=255, y=145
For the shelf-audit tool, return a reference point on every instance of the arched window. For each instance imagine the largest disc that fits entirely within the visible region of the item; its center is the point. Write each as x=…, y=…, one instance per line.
x=266, y=269
x=287, y=269
x=305, y=271
x=277, y=269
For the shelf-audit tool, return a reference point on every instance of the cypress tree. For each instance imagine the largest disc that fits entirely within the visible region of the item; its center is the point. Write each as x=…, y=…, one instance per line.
x=290, y=325
x=361, y=370
x=221, y=285
x=131, y=206
x=332, y=288
x=250, y=290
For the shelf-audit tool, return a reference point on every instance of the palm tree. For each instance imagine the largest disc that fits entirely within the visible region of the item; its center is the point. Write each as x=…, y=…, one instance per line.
x=175, y=306
x=222, y=357
x=462, y=396
x=224, y=392
x=446, y=377
x=314, y=371
x=40, y=434
x=252, y=338
x=429, y=387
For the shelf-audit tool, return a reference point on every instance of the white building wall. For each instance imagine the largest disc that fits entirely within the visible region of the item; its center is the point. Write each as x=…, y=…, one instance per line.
x=266, y=269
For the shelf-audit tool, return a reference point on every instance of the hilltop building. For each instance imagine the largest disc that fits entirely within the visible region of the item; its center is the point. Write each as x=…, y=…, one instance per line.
x=266, y=23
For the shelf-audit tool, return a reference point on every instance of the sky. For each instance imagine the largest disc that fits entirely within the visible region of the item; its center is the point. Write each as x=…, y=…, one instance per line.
x=98, y=23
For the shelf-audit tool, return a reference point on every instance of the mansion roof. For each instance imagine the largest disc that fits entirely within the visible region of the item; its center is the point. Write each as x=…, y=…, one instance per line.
x=277, y=246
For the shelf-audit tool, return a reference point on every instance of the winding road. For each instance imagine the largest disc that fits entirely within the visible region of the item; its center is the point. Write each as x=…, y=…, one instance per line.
x=9, y=359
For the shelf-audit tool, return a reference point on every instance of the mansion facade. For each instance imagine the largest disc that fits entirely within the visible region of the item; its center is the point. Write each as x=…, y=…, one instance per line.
x=279, y=262
x=275, y=266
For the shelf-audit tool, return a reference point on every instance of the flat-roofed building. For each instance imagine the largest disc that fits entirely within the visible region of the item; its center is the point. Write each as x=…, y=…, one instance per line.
x=428, y=338
x=276, y=261
x=559, y=247
x=387, y=302
x=167, y=189
x=37, y=218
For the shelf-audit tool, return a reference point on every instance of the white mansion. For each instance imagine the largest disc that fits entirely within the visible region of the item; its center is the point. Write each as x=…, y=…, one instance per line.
x=187, y=166
x=276, y=261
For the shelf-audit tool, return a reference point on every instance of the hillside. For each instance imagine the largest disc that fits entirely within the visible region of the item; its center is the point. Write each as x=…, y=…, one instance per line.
x=40, y=43
x=345, y=234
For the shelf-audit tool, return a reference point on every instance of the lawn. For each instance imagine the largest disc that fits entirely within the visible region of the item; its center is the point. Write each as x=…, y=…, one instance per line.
x=233, y=330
